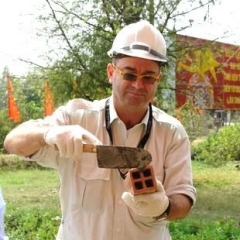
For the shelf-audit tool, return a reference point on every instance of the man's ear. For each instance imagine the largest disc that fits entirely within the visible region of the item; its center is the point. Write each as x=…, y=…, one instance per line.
x=110, y=71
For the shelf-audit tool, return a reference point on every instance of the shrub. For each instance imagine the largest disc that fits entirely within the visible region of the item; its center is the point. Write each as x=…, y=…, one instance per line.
x=219, y=148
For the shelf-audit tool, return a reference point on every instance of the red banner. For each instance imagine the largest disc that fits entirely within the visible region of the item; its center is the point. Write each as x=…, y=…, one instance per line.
x=13, y=111
x=208, y=74
x=48, y=99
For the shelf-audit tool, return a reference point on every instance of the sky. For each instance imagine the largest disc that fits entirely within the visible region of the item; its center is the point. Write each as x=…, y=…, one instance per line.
x=17, y=34
x=222, y=24
x=18, y=38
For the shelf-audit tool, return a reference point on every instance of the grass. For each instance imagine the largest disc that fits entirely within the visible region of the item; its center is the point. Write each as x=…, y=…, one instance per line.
x=33, y=194
x=33, y=209
x=218, y=192
x=37, y=188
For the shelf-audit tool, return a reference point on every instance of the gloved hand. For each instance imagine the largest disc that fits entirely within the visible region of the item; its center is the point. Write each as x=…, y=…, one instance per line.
x=69, y=139
x=148, y=205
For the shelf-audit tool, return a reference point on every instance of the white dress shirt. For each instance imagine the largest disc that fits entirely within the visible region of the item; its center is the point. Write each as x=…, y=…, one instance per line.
x=91, y=204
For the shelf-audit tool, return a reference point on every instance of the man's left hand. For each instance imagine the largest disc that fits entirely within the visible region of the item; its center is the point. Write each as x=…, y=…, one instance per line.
x=148, y=205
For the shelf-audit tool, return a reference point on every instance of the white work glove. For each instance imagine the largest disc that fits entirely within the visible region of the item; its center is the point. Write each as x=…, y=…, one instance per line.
x=148, y=204
x=69, y=139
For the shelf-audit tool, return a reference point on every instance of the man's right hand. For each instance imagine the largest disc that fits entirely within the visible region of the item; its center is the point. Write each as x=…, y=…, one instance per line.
x=69, y=139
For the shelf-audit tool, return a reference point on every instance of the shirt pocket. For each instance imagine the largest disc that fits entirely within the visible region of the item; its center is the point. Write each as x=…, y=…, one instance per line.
x=94, y=184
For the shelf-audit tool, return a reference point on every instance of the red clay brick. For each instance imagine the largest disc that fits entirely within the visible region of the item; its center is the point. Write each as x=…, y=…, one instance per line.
x=143, y=181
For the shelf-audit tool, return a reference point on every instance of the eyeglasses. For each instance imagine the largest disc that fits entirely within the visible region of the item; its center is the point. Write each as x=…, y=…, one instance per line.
x=147, y=78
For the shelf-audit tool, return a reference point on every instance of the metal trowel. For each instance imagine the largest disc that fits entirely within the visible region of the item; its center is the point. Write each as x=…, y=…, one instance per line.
x=119, y=156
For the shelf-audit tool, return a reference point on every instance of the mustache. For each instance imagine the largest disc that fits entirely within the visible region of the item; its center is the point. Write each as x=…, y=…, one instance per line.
x=136, y=91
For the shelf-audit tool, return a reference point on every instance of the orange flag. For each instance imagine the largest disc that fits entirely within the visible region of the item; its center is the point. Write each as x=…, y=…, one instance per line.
x=13, y=111
x=48, y=99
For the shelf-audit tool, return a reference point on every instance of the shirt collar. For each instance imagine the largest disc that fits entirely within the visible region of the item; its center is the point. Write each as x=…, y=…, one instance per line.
x=113, y=113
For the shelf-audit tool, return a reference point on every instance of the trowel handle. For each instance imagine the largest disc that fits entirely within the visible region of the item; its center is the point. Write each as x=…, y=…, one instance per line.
x=89, y=148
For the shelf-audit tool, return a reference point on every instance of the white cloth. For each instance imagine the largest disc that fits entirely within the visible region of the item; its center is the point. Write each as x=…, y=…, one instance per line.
x=2, y=213
x=90, y=197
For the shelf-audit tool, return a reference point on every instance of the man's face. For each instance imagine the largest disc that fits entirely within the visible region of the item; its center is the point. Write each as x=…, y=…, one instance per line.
x=136, y=93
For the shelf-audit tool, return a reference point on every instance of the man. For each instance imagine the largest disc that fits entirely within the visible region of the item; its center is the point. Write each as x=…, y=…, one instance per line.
x=98, y=203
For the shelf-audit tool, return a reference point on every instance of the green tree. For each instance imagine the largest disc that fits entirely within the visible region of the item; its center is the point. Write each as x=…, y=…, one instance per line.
x=28, y=93
x=3, y=89
x=31, y=102
x=5, y=126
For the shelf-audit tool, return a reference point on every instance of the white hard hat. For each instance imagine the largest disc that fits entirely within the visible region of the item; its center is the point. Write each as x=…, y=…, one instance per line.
x=140, y=39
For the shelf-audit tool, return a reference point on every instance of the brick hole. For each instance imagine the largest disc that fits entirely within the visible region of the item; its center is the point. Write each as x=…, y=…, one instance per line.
x=136, y=175
x=147, y=173
x=149, y=183
x=138, y=185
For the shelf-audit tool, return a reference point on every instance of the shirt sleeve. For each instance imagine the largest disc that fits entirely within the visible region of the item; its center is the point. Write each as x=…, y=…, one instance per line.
x=178, y=167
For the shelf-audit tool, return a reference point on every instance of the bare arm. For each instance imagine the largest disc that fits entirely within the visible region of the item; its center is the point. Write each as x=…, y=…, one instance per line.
x=180, y=206
x=25, y=140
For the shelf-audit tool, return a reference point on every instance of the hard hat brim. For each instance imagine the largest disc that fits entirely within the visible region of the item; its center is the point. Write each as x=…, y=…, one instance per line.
x=138, y=54
x=140, y=51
